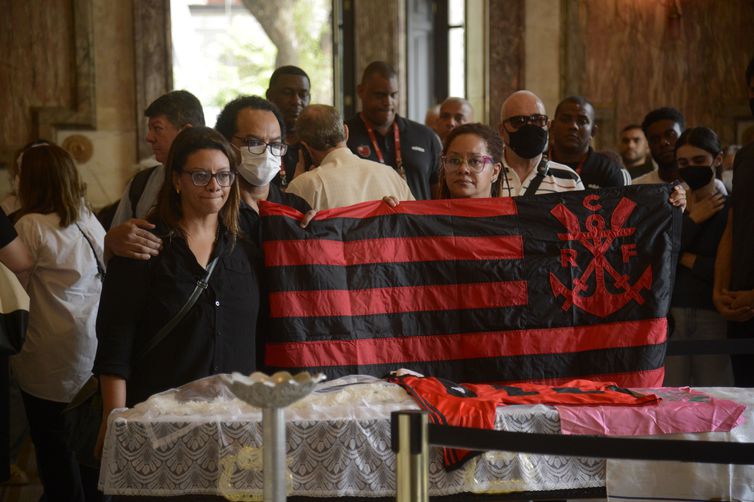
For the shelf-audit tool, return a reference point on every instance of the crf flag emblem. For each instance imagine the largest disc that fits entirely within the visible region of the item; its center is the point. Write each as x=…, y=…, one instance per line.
x=602, y=288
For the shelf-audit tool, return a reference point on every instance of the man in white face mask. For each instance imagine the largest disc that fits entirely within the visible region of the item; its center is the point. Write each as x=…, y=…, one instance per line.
x=255, y=127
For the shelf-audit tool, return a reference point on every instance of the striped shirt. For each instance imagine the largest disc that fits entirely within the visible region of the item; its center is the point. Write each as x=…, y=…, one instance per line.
x=559, y=178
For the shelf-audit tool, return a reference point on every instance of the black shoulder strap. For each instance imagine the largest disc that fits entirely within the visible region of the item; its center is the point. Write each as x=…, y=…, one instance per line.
x=201, y=285
x=138, y=184
x=100, y=266
x=537, y=180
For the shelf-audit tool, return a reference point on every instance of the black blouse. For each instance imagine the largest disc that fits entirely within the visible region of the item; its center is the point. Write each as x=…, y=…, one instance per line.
x=216, y=336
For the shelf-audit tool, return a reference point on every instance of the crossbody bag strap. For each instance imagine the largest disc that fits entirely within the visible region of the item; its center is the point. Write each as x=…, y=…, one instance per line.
x=201, y=285
x=100, y=266
x=537, y=180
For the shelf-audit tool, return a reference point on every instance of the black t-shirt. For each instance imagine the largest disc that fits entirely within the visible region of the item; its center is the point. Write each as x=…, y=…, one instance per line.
x=646, y=167
x=693, y=287
x=7, y=232
x=217, y=335
x=249, y=218
x=597, y=171
x=420, y=151
x=742, y=203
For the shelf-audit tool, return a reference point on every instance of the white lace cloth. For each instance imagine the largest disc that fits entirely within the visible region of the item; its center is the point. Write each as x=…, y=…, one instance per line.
x=201, y=440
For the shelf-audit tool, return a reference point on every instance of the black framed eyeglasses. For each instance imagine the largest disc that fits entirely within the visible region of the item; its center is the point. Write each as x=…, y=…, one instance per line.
x=518, y=121
x=201, y=178
x=257, y=146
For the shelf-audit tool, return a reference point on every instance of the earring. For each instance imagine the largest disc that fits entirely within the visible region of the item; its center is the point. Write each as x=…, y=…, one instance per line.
x=178, y=190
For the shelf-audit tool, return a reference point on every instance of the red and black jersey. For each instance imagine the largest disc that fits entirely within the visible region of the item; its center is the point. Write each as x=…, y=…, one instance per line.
x=474, y=405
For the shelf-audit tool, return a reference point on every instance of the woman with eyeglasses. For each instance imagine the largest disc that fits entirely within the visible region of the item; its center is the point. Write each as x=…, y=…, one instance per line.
x=698, y=153
x=197, y=219
x=471, y=163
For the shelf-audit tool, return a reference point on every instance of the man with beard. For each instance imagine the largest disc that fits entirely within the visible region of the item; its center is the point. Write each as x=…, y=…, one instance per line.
x=572, y=132
x=289, y=90
x=378, y=133
x=733, y=292
x=634, y=151
x=523, y=127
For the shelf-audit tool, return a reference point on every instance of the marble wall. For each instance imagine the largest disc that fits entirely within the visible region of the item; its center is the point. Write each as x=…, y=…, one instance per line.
x=67, y=75
x=629, y=57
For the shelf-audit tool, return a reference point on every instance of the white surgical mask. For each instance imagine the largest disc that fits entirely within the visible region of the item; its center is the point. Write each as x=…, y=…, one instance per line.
x=258, y=170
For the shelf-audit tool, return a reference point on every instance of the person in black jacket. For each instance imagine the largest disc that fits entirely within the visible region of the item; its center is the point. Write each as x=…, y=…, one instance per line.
x=698, y=153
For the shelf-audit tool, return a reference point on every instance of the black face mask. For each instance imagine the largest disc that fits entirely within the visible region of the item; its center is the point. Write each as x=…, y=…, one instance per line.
x=696, y=176
x=751, y=105
x=529, y=141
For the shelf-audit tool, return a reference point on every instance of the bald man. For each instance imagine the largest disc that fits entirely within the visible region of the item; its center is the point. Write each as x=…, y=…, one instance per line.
x=453, y=112
x=524, y=126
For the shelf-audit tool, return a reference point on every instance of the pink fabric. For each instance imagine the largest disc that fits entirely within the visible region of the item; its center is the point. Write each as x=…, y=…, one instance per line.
x=680, y=410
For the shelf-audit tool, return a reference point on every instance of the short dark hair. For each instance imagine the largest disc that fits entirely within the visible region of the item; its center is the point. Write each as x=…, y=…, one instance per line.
x=494, y=146
x=180, y=107
x=750, y=72
x=629, y=127
x=381, y=68
x=700, y=137
x=664, y=113
x=578, y=100
x=188, y=141
x=287, y=70
x=320, y=127
x=226, y=121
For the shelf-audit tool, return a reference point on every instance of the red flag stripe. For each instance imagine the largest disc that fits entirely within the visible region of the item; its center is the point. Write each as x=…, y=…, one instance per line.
x=327, y=303
x=467, y=345
x=472, y=208
x=391, y=250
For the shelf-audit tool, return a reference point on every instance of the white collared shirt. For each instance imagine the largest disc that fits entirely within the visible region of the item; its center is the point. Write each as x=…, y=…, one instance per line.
x=343, y=179
x=64, y=290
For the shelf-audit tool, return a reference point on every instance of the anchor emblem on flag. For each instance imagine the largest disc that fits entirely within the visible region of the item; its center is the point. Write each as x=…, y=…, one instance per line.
x=597, y=238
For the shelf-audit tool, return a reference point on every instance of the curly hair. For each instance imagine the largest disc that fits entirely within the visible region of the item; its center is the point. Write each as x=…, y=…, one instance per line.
x=494, y=145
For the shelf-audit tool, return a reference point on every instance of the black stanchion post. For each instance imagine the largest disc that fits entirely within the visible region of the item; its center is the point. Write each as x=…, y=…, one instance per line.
x=409, y=440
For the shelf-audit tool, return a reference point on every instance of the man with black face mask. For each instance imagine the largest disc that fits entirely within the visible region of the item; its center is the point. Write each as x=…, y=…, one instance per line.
x=523, y=127
x=733, y=292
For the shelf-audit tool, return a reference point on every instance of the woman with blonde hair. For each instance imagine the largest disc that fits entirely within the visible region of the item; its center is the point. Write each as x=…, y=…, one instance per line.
x=65, y=241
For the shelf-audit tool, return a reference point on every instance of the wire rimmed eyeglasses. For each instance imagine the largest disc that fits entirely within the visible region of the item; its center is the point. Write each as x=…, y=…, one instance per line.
x=476, y=163
x=202, y=178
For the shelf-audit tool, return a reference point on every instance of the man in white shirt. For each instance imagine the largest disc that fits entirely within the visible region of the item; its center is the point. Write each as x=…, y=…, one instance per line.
x=341, y=178
x=524, y=128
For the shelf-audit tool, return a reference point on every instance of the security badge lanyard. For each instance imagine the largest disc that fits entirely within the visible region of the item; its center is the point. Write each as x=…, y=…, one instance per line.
x=397, y=140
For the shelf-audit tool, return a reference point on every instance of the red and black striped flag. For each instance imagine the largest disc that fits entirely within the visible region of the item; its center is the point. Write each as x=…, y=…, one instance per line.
x=542, y=289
